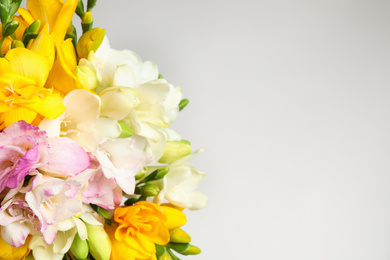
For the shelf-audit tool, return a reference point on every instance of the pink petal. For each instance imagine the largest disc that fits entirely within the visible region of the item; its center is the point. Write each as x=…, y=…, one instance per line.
x=66, y=158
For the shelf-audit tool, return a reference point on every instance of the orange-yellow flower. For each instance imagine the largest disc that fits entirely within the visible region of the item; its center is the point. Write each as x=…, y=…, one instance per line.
x=55, y=17
x=136, y=230
x=22, y=95
x=8, y=252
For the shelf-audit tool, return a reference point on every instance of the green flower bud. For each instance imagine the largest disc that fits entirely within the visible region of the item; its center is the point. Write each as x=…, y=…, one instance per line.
x=162, y=253
x=10, y=28
x=80, y=9
x=17, y=44
x=31, y=32
x=90, y=41
x=150, y=189
x=87, y=77
x=179, y=236
x=174, y=151
x=91, y=4
x=184, y=249
x=79, y=247
x=183, y=103
x=99, y=242
x=141, y=174
x=87, y=21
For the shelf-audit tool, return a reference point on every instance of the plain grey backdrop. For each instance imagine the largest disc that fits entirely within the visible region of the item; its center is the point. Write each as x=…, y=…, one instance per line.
x=290, y=100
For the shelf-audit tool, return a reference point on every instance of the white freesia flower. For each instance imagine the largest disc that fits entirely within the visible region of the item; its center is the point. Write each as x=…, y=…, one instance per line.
x=121, y=159
x=67, y=230
x=178, y=186
x=149, y=110
x=119, y=68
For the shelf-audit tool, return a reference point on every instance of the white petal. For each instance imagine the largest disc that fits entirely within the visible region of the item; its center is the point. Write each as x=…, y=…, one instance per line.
x=107, y=127
x=15, y=233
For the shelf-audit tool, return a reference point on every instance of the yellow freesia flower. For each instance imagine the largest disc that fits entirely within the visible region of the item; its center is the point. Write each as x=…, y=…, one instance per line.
x=22, y=94
x=136, y=230
x=8, y=252
x=55, y=17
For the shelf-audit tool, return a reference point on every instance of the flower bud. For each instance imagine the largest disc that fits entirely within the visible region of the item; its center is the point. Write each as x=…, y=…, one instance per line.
x=183, y=103
x=174, y=151
x=17, y=44
x=87, y=21
x=99, y=242
x=79, y=247
x=150, y=189
x=179, y=236
x=10, y=28
x=184, y=249
x=90, y=41
x=31, y=32
x=87, y=77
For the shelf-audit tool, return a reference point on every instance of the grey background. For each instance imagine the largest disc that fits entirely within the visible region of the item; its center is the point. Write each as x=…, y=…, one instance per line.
x=290, y=100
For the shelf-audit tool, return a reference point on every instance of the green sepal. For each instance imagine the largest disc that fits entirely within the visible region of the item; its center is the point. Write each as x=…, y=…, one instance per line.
x=172, y=255
x=10, y=28
x=71, y=33
x=183, y=103
x=126, y=130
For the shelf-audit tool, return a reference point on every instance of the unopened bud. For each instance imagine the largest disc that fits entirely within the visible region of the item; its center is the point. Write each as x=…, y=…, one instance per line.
x=10, y=28
x=175, y=151
x=87, y=77
x=179, y=236
x=87, y=21
x=150, y=189
x=17, y=44
x=90, y=41
x=141, y=174
x=99, y=242
x=184, y=249
x=31, y=32
x=79, y=247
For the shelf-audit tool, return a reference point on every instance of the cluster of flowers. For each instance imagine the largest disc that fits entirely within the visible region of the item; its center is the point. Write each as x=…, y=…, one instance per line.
x=89, y=168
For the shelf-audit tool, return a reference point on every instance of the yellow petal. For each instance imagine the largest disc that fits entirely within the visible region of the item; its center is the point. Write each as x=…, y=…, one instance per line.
x=175, y=217
x=64, y=19
x=55, y=13
x=16, y=114
x=29, y=64
x=62, y=76
x=49, y=106
x=45, y=10
x=44, y=45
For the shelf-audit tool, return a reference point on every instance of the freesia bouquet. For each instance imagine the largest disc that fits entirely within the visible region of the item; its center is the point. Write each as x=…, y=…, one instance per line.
x=89, y=168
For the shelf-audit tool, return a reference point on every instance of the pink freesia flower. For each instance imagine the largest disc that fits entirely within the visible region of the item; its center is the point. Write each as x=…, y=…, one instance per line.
x=36, y=205
x=24, y=148
x=102, y=191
